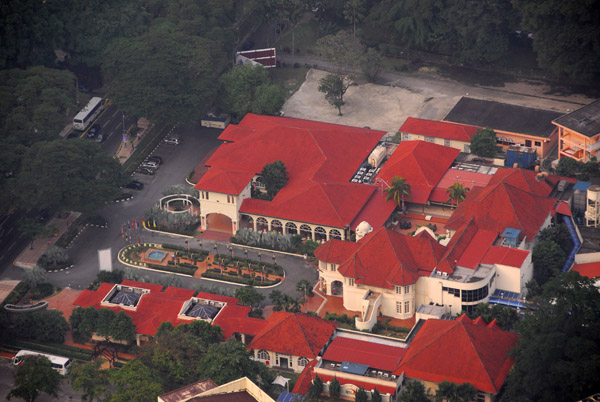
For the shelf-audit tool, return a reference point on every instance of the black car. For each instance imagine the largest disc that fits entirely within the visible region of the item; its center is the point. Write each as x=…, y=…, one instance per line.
x=135, y=185
x=95, y=130
x=146, y=171
x=155, y=158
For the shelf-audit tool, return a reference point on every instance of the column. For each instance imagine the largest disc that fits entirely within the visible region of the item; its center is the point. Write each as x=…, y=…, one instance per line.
x=254, y=222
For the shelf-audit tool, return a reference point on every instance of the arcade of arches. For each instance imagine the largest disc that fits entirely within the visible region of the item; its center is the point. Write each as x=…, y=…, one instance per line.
x=306, y=230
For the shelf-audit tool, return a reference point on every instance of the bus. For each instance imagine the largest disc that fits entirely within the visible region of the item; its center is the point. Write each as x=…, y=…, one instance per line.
x=88, y=114
x=60, y=364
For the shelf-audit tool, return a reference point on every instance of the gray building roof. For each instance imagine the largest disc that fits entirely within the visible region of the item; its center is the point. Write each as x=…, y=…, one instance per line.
x=585, y=120
x=505, y=117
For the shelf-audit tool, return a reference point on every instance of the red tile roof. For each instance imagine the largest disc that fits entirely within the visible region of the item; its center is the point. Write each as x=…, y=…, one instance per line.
x=460, y=351
x=589, y=269
x=320, y=159
x=524, y=179
x=368, y=386
x=294, y=334
x=422, y=164
x=439, y=129
x=512, y=206
x=160, y=306
x=376, y=211
x=511, y=257
x=305, y=379
x=374, y=355
x=457, y=246
x=467, y=179
x=477, y=249
x=383, y=258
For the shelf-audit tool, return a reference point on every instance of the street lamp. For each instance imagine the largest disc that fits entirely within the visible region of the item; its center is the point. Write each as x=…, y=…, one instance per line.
x=231, y=249
x=246, y=252
x=216, y=251
x=259, y=256
x=187, y=245
x=200, y=244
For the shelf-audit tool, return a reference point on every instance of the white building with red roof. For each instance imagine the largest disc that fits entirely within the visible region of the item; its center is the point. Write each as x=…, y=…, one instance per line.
x=319, y=200
x=448, y=134
x=291, y=340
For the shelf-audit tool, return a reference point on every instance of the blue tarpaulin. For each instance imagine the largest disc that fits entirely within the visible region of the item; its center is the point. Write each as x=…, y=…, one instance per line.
x=289, y=397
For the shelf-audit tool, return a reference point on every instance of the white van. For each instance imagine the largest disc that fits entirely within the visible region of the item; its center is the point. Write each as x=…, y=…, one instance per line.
x=60, y=364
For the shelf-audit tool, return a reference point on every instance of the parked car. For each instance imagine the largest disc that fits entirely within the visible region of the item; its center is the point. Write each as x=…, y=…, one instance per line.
x=95, y=130
x=146, y=170
x=100, y=138
x=172, y=140
x=149, y=164
x=155, y=158
x=135, y=185
x=84, y=88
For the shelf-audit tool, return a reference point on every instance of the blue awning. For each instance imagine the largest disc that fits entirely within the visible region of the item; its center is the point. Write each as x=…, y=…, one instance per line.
x=289, y=397
x=354, y=368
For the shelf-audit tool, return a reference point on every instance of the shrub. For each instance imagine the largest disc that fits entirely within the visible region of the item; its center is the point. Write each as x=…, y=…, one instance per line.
x=17, y=293
x=54, y=258
x=41, y=290
x=171, y=268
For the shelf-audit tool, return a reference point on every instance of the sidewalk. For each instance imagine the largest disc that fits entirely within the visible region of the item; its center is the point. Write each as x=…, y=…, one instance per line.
x=30, y=256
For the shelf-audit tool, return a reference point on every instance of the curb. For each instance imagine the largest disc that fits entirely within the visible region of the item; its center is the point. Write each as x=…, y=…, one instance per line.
x=123, y=199
x=62, y=269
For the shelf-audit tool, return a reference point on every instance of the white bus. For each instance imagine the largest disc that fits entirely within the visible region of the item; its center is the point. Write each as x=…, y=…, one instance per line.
x=60, y=364
x=88, y=114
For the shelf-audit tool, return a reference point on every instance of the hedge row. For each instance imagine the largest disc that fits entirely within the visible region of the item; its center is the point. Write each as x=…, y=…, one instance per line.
x=176, y=269
x=60, y=351
x=17, y=293
x=236, y=279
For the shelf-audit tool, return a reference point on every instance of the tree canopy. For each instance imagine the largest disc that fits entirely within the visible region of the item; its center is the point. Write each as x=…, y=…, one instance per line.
x=68, y=175
x=275, y=177
x=334, y=87
x=483, y=143
x=246, y=89
x=89, y=379
x=165, y=75
x=557, y=357
x=399, y=189
x=33, y=377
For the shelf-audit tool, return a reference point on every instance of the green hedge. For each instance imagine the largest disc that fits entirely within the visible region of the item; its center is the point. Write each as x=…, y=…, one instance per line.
x=176, y=269
x=54, y=349
x=17, y=293
x=238, y=279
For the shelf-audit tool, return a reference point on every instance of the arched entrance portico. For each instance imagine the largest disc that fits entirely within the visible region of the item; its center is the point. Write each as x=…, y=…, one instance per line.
x=219, y=223
x=291, y=228
x=337, y=288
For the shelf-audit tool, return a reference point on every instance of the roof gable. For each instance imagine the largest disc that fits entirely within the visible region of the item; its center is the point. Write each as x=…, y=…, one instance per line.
x=460, y=351
x=422, y=164
x=294, y=334
x=438, y=129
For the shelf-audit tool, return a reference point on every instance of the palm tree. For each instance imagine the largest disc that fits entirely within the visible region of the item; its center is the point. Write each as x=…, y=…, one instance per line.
x=457, y=193
x=397, y=191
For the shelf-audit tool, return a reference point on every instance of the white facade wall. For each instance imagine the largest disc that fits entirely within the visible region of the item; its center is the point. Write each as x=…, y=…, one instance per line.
x=225, y=204
x=462, y=146
x=274, y=360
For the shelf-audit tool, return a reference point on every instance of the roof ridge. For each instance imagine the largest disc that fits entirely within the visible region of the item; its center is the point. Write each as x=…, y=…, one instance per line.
x=328, y=199
x=433, y=340
x=295, y=315
x=476, y=350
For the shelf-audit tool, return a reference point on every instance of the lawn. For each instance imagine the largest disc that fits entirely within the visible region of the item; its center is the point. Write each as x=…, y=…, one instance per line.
x=289, y=78
x=305, y=38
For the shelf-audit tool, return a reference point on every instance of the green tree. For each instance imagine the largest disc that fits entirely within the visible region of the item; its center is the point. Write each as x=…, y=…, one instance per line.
x=335, y=388
x=334, y=87
x=42, y=326
x=247, y=89
x=135, y=382
x=122, y=328
x=354, y=12
x=104, y=322
x=457, y=193
x=371, y=64
x=414, y=391
x=568, y=167
x=165, y=75
x=548, y=259
x=33, y=377
x=71, y=175
x=316, y=387
x=342, y=49
x=33, y=229
x=566, y=35
x=557, y=357
x=375, y=395
x=35, y=276
x=249, y=296
x=399, y=189
x=559, y=234
x=230, y=360
x=483, y=143
x=303, y=286
x=89, y=379
x=205, y=332
x=506, y=317
x=453, y=392
x=361, y=395
x=284, y=302
x=274, y=177
x=83, y=323
x=292, y=12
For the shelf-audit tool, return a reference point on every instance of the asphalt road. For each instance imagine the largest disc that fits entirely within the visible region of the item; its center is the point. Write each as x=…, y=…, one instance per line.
x=178, y=161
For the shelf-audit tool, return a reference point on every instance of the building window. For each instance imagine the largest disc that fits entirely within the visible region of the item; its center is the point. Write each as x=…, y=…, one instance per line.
x=398, y=307
x=406, y=290
x=351, y=281
x=407, y=307
x=333, y=268
x=429, y=139
x=406, y=137
x=206, y=194
x=302, y=361
x=475, y=295
x=399, y=290
x=538, y=143
x=452, y=291
x=263, y=355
